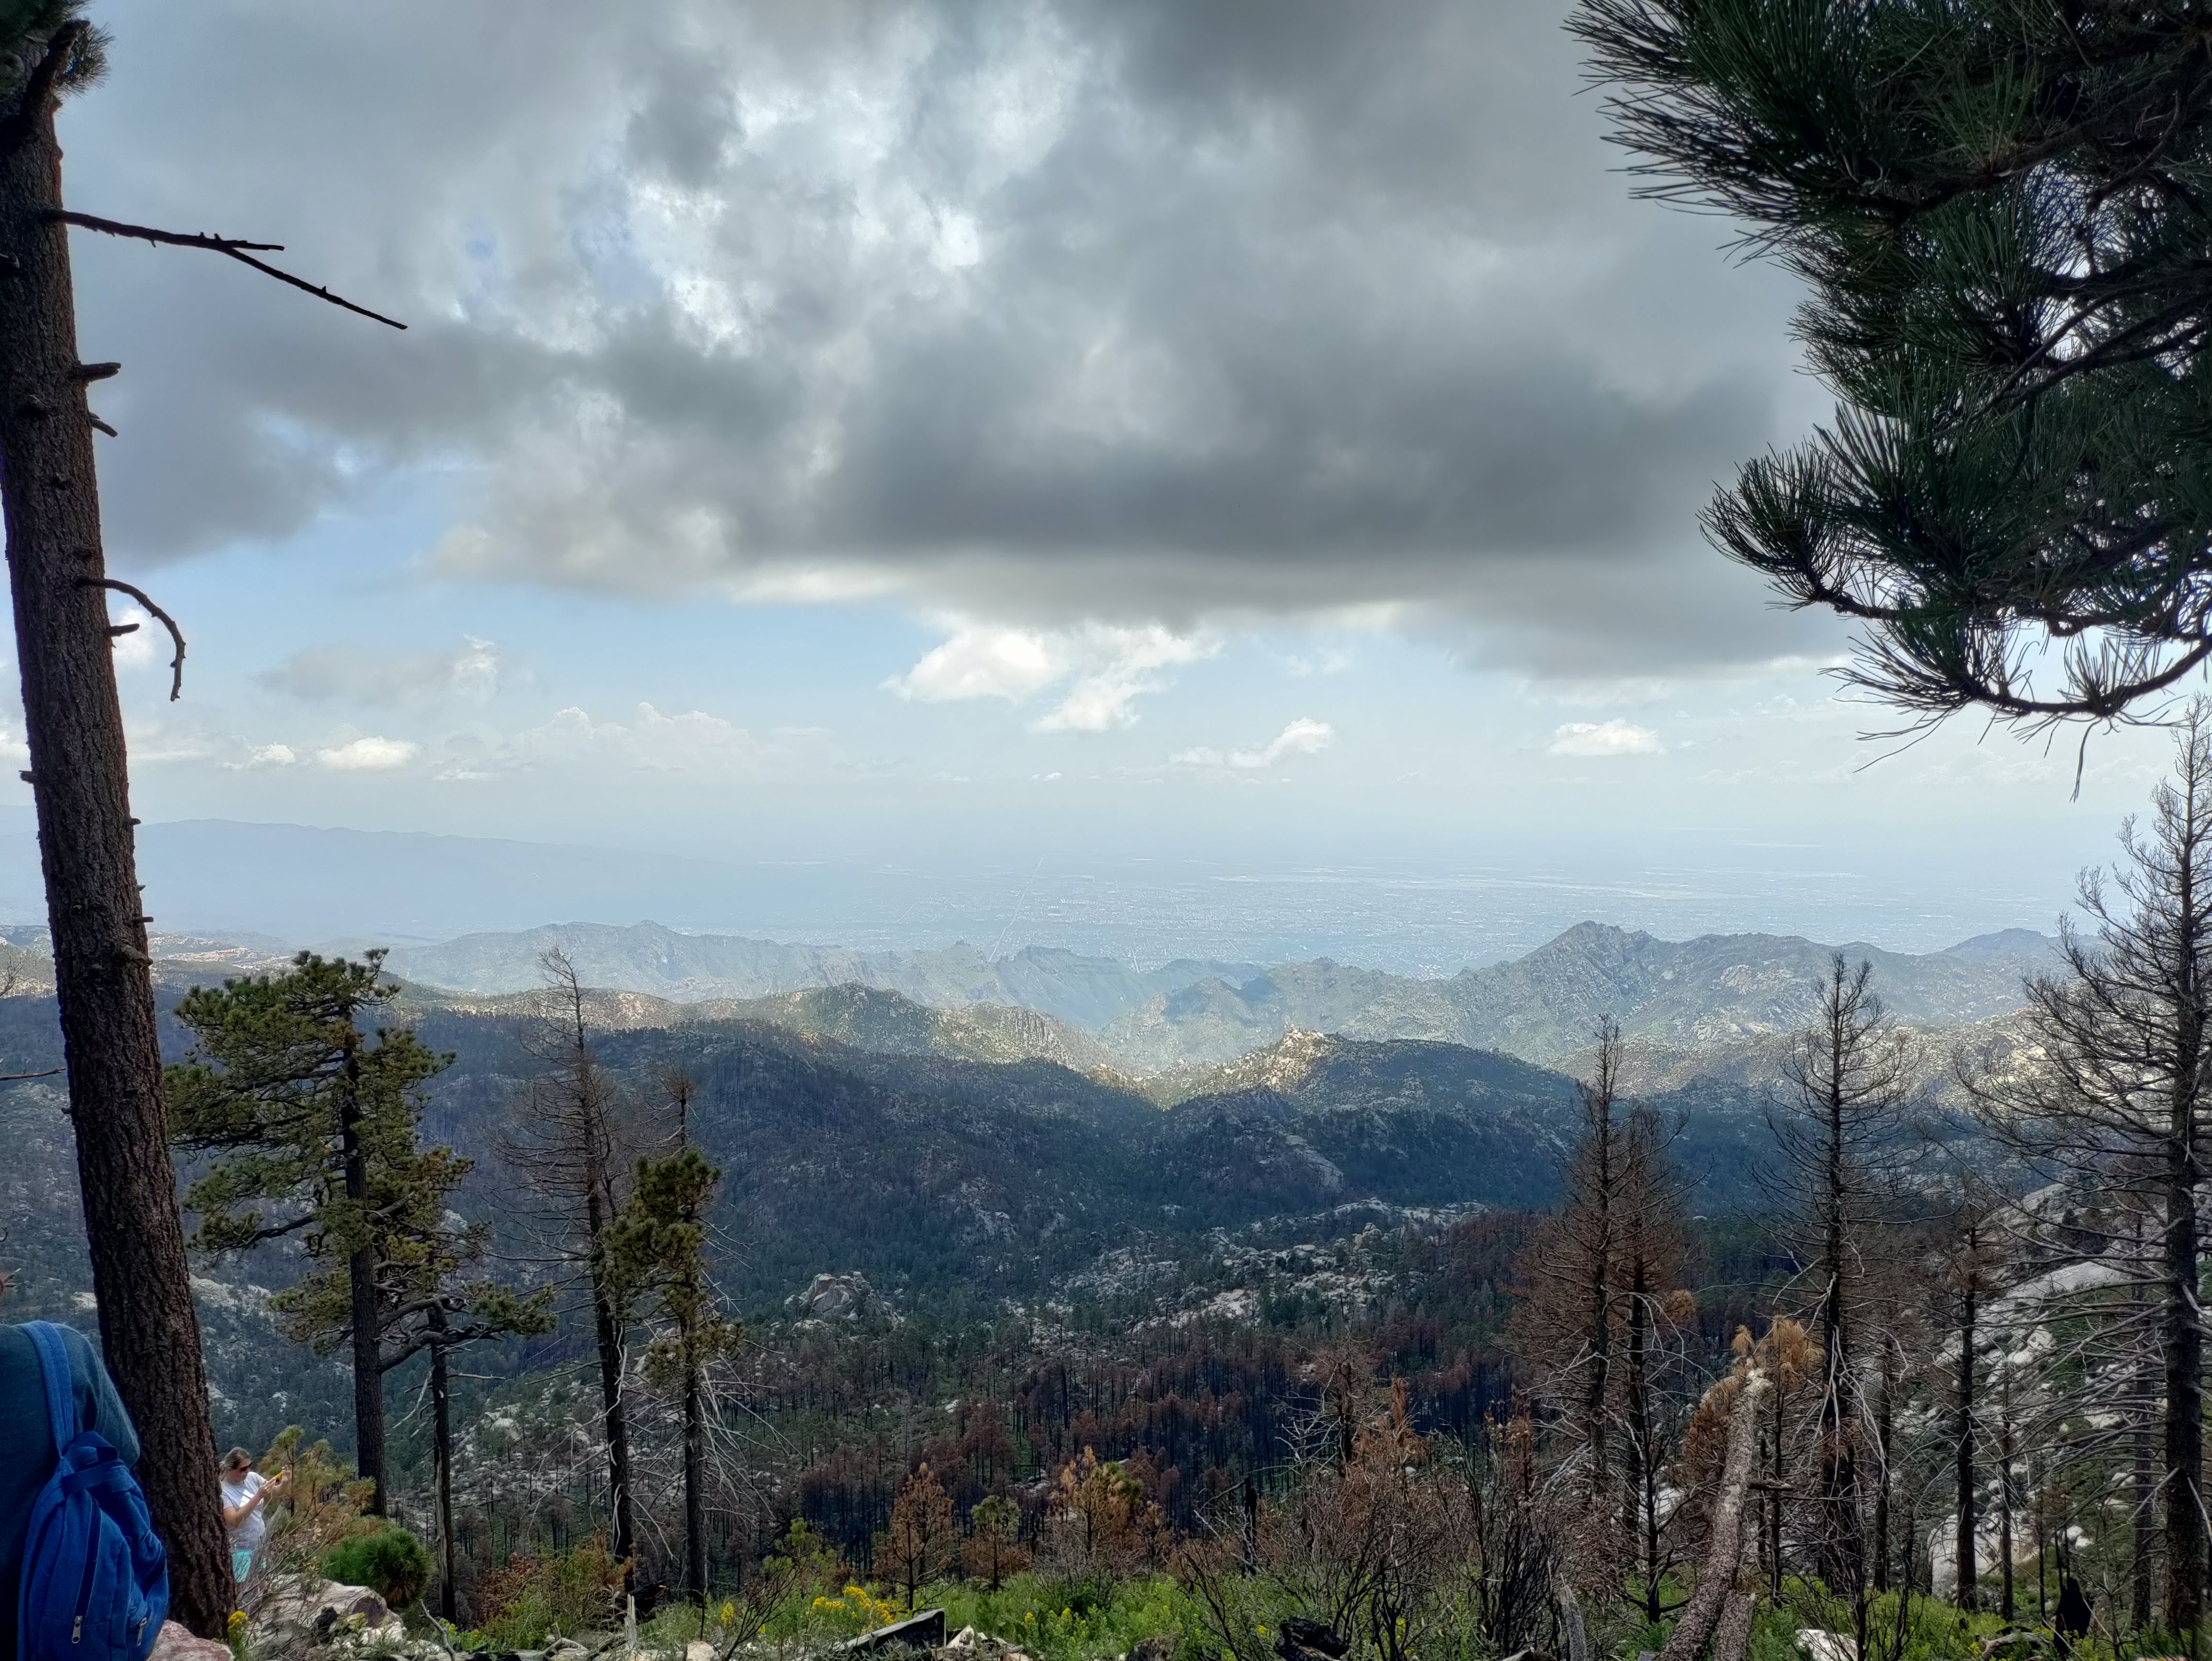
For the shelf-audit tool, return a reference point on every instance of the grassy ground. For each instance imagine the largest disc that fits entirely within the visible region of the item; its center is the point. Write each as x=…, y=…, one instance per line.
x=1051, y=1622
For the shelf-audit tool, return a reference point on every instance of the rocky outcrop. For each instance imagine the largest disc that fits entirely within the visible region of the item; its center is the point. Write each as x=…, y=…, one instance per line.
x=846, y=1297
x=325, y=1612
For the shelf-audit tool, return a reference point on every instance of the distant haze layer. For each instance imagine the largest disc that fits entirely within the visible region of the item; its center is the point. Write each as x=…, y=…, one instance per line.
x=303, y=885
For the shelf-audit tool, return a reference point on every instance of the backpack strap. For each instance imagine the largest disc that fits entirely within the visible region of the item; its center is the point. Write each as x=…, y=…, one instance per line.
x=54, y=1363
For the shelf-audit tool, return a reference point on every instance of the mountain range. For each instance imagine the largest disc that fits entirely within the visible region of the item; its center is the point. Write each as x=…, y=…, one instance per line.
x=978, y=1156
x=1717, y=989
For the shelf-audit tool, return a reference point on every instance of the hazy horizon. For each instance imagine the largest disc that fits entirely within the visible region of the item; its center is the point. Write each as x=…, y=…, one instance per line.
x=312, y=887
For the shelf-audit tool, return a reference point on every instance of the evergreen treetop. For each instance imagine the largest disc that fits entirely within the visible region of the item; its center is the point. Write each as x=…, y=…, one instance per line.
x=2002, y=215
x=279, y=1081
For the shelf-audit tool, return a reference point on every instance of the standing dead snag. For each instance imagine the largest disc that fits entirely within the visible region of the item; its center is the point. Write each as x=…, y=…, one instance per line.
x=79, y=774
x=570, y=1142
x=2119, y=1107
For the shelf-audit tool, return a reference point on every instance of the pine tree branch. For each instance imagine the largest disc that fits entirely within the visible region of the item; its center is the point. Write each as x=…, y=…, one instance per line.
x=230, y=246
x=177, y=663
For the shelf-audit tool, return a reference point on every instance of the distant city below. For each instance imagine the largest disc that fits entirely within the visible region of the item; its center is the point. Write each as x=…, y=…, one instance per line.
x=295, y=885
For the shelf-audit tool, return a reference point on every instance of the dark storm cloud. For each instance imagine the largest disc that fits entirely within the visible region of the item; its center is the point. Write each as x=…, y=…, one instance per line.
x=1132, y=309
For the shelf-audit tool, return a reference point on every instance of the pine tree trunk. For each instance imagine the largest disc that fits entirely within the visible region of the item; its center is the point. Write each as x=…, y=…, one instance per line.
x=607, y=1331
x=1774, y=1501
x=1643, y=1520
x=694, y=1474
x=1969, y=1595
x=1598, y=1332
x=1842, y=1538
x=360, y=1276
x=2185, y=1392
x=441, y=1442
x=2183, y=1337
x=74, y=723
x=1885, y=1429
x=2006, y=1607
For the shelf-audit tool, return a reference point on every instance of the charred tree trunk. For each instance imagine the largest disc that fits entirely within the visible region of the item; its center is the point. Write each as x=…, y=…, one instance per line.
x=2183, y=1345
x=1597, y=1384
x=694, y=1474
x=1969, y=1595
x=1885, y=1432
x=1843, y=1545
x=607, y=1331
x=1643, y=1454
x=1774, y=1490
x=2006, y=1606
x=80, y=777
x=441, y=1451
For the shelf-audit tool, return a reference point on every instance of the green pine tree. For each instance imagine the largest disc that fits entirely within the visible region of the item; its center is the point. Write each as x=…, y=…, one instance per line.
x=312, y=1123
x=2000, y=213
x=428, y=1298
x=658, y=1246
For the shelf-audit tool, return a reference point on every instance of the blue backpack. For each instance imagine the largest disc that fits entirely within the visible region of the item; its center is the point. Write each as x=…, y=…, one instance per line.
x=95, y=1575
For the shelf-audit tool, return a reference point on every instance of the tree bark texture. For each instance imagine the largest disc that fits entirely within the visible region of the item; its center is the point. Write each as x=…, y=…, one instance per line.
x=74, y=724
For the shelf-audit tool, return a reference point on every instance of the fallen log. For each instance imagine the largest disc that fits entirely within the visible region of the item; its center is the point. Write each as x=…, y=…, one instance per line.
x=1723, y=1556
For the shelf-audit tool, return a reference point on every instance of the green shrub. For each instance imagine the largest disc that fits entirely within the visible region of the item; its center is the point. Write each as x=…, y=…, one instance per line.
x=390, y=1562
x=540, y=1592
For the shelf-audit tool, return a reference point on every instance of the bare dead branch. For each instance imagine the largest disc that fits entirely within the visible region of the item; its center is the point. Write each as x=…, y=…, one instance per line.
x=232, y=246
x=177, y=663
x=11, y=1078
x=100, y=424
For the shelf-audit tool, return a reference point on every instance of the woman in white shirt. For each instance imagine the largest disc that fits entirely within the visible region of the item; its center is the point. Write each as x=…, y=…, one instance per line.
x=246, y=1496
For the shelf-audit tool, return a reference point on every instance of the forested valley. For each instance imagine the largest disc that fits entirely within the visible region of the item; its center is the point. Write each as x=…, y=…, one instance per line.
x=769, y=1332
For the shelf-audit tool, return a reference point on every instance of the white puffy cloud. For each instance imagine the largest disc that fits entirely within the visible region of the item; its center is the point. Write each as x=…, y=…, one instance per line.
x=1604, y=738
x=690, y=742
x=340, y=672
x=1303, y=737
x=367, y=755
x=264, y=755
x=981, y=662
x=1100, y=670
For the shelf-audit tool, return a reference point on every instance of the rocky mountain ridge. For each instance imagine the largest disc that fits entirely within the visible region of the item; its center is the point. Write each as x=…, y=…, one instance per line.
x=1715, y=990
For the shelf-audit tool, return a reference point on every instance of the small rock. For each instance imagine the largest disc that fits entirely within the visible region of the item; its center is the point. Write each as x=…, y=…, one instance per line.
x=1819, y=1645
x=175, y=1644
x=695, y=1651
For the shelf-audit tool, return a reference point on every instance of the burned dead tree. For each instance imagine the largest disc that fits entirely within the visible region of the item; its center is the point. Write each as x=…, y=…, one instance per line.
x=79, y=774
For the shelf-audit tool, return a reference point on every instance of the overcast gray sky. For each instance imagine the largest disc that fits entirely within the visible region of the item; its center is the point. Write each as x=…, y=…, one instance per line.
x=1261, y=427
